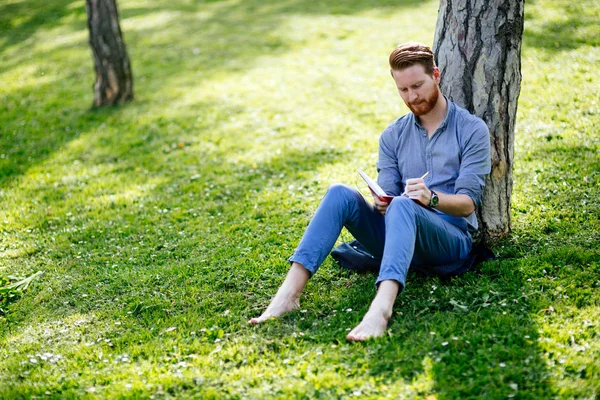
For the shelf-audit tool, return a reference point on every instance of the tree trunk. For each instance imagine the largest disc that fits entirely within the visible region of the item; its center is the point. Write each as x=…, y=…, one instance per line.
x=114, y=82
x=478, y=50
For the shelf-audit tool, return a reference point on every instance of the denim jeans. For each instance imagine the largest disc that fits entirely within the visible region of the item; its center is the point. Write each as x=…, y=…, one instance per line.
x=409, y=235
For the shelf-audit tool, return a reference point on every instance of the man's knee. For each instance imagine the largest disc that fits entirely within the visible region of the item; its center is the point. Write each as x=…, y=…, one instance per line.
x=341, y=192
x=403, y=204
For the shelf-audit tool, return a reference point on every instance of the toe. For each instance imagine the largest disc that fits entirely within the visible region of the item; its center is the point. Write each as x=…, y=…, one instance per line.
x=256, y=321
x=356, y=338
x=354, y=335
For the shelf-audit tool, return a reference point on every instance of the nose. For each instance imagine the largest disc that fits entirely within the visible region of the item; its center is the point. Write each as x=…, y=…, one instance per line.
x=412, y=96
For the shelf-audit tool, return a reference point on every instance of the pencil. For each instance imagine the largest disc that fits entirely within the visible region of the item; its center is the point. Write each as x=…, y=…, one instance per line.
x=423, y=177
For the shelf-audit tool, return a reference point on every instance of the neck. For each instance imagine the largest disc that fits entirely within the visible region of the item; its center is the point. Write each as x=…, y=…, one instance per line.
x=434, y=118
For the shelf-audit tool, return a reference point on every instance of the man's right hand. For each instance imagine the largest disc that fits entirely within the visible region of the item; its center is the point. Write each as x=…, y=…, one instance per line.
x=381, y=206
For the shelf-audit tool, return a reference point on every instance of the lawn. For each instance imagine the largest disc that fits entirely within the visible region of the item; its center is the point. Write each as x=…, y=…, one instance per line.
x=163, y=225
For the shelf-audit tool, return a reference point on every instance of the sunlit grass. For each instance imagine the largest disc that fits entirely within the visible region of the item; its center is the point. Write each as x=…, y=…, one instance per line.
x=163, y=225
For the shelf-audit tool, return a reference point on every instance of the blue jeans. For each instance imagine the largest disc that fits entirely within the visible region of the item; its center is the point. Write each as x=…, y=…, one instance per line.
x=409, y=235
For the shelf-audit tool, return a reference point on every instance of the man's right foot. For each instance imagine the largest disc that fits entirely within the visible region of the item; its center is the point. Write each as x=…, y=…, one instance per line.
x=275, y=309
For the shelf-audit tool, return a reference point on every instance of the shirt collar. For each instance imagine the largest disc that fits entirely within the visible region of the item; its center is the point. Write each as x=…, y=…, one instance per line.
x=449, y=113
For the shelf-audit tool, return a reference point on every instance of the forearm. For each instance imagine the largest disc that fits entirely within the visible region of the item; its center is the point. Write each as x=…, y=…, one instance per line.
x=457, y=205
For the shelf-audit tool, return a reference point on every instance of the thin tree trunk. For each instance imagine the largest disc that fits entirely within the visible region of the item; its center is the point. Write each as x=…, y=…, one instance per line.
x=114, y=81
x=478, y=49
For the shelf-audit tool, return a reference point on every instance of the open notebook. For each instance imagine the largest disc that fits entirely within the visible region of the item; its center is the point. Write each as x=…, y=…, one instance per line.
x=375, y=188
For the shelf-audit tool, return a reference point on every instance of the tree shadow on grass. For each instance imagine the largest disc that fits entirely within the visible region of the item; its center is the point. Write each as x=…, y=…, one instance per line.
x=190, y=282
x=272, y=7
x=32, y=136
x=169, y=286
x=574, y=30
x=231, y=186
x=32, y=132
x=200, y=281
x=568, y=176
x=244, y=31
x=470, y=337
x=19, y=20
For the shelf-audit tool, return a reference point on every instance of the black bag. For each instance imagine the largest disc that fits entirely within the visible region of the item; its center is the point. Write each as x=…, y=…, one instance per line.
x=353, y=256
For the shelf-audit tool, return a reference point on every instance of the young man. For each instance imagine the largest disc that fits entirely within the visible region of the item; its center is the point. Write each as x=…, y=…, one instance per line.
x=427, y=224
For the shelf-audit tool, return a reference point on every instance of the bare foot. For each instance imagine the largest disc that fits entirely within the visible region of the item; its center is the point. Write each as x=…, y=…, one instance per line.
x=276, y=308
x=372, y=325
x=286, y=298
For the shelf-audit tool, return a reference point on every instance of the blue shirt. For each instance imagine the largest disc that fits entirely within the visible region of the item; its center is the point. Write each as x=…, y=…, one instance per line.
x=457, y=157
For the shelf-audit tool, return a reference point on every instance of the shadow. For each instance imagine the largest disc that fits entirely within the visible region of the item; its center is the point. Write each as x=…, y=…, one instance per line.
x=435, y=331
x=31, y=134
x=576, y=28
x=244, y=30
x=254, y=8
x=149, y=247
x=154, y=53
x=199, y=277
x=564, y=180
x=143, y=163
x=21, y=19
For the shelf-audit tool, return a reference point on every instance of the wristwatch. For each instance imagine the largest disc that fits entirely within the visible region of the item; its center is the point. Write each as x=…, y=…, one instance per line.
x=433, y=202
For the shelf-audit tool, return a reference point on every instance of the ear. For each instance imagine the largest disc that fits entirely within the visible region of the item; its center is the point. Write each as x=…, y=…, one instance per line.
x=436, y=75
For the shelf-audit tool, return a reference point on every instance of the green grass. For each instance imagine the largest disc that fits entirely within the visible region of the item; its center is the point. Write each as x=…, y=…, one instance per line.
x=163, y=225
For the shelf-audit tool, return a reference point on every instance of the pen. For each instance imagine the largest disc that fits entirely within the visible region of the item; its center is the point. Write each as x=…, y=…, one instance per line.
x=423, y=177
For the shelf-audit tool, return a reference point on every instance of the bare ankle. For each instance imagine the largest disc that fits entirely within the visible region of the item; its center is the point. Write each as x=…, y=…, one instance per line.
x=295, y=281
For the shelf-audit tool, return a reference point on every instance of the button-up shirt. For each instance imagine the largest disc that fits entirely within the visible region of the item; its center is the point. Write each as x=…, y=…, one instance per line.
x=457, y=156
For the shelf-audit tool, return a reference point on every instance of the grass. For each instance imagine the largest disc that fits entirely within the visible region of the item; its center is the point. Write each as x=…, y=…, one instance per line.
x=163, y=225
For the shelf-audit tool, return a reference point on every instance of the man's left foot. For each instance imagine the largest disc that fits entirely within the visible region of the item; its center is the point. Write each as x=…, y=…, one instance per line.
x=372, y=325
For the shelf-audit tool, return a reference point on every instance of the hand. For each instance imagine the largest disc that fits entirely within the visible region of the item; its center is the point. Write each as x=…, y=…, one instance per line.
x=416, y=190
x=381, y=206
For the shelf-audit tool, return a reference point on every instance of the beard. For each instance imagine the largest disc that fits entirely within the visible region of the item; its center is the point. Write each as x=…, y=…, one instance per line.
x=426, y=105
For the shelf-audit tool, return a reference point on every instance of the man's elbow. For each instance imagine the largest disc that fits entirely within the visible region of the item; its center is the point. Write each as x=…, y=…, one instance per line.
x=467, y=213
x=469, y=207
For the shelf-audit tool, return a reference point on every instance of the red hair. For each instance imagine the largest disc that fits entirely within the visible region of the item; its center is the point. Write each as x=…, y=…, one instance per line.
x=411, y=53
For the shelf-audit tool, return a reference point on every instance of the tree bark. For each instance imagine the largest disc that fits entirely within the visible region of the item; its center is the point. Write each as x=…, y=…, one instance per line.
x=478, y=50
x=114, y=81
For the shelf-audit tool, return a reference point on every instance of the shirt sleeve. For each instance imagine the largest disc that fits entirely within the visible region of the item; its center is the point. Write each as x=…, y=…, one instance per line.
x=475, y=163
x=388, y=175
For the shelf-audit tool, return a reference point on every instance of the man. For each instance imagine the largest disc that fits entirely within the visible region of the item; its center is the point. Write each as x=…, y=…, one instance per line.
x=427, y=224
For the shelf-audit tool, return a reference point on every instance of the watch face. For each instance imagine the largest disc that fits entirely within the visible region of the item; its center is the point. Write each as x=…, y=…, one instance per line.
x=434, y=199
